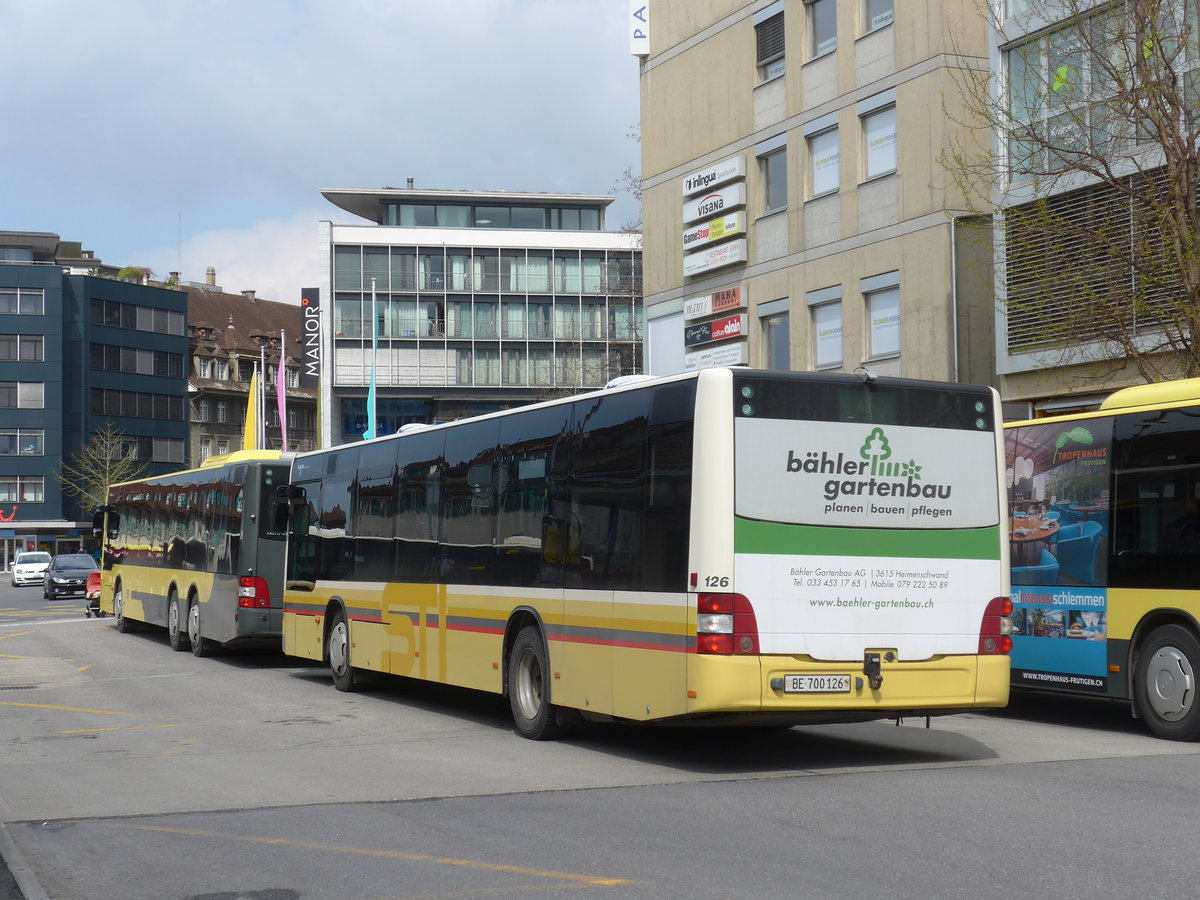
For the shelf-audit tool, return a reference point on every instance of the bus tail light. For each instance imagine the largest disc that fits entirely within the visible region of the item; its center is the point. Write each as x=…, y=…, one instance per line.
x=725, y=625
x=995, y=633
x=253, y=593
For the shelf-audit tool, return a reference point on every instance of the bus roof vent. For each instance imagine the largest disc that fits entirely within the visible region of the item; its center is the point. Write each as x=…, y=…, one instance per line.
x=1154, y=394
x=622, y=380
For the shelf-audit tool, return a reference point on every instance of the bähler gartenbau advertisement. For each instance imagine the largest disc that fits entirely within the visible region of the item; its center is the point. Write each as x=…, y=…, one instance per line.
x=853, y=535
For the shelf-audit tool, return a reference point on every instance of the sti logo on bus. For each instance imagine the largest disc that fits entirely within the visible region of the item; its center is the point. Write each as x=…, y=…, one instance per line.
x=873, y=474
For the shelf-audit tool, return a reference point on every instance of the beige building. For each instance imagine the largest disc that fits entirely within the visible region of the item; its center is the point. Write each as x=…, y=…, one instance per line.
x=795, y=212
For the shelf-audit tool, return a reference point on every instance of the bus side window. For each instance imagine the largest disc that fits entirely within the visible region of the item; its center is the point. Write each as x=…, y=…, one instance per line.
x=669, y=500
x=608, y=491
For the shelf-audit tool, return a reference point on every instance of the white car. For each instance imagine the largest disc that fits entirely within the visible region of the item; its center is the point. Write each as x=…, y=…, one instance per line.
x=30, y=567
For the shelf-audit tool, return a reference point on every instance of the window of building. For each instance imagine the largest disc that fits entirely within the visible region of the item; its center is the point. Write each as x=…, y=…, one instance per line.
x=768, y=35
x=204, y=367
x=823, y=154
x=882, y=296
x=877, y=14
x=222, y=370
x=205, y=449
x=291, y=376
x=222, y=447
x=774, y=172
x=202, y=411
x=822, y=25
x=21, y=347
x=22, y=442
x=22, y=395
x=22, y=489
x=879, y=135
x=291, y=418
x=827, y=335
x=22, y=301
x=222, y=411
x=777, y=342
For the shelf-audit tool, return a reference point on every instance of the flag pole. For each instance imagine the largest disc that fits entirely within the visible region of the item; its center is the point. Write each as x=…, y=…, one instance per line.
x=370, y=432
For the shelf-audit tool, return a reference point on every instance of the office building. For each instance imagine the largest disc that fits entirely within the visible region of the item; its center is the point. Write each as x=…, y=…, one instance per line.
x=796, y=214
x=77, y=351
x=464, y=302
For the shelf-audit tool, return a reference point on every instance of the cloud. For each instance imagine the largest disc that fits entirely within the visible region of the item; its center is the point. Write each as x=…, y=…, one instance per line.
x=275, y=257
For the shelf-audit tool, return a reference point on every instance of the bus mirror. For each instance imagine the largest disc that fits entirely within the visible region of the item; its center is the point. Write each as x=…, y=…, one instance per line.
x=114, y=523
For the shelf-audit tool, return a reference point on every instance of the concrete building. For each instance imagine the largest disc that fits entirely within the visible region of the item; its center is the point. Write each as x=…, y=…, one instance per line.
x=480, y=301
x=77, y=351
x=795, y=212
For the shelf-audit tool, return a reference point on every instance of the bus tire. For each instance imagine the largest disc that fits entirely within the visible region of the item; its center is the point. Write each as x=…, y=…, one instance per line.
x=1167, y=670
x=338, y=650
x=124, y=625
x=201, y=646
x=529, y=688
x=175, y=635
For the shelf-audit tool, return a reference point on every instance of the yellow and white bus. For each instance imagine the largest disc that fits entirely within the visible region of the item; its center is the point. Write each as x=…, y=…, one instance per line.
x=728, y=546
x=194, y=552
x=1105, y=534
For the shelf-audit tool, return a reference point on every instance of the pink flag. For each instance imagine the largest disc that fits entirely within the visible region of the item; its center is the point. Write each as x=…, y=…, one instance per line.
x=281, y=390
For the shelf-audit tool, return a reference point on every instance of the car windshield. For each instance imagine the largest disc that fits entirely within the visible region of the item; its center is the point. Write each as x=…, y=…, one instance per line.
x=75, y=561
x=25, y=559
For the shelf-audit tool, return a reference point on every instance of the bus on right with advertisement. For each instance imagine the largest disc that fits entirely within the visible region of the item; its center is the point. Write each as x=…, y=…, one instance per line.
x=1104, y=536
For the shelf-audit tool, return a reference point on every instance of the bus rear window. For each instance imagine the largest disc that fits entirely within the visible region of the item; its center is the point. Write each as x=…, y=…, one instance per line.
x=892, y=401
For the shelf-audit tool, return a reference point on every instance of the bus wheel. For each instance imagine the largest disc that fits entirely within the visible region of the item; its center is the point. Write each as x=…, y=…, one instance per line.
x=529, y=689
x=174, y=629
x=124, y=625
x=344, y=676
x=1168, y=664
x=201, y=646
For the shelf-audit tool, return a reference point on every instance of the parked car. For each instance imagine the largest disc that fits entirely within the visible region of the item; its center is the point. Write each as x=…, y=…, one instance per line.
x=68, y=575
x=30, y=567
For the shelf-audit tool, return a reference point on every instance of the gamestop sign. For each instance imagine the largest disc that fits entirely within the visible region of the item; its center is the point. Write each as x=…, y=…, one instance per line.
x=716, y=230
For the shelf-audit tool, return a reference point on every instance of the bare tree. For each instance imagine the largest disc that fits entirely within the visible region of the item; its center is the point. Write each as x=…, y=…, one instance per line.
x=1087, y=154
x=630, y=182
x=102, y=461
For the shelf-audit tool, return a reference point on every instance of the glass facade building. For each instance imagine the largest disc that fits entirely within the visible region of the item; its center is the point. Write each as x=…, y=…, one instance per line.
x=484, y=301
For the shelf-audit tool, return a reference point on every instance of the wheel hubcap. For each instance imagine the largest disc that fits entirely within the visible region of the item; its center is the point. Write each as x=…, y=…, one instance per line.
x=194, y=623
x=338, y=643
x=1170, y=683
x=529, y=684
x=117, y=605
x=173, y=619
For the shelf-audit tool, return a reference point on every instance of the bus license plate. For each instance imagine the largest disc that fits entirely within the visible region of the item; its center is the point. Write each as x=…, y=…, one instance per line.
x=816, y=684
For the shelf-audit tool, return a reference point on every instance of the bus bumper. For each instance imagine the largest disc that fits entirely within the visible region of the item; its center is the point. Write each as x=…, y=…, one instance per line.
x=936, y=686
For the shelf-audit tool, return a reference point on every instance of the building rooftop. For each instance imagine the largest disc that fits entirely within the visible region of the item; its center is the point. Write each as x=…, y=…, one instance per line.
x=368, y=203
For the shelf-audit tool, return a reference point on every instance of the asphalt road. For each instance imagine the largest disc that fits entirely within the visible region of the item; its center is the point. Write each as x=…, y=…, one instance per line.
x=130, y=771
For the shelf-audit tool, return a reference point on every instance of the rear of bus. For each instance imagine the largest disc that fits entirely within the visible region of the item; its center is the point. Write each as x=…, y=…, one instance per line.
x=848, y=560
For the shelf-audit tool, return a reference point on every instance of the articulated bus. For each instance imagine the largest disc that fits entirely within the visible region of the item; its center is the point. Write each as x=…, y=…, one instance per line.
x=194, y=552
x=1105, y=531
x=727, y=546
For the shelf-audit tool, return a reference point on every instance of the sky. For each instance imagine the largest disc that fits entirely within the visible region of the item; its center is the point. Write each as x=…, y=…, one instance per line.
x=182, y=134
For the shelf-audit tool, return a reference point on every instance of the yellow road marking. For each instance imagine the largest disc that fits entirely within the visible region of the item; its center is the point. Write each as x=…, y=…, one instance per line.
x=390, y=854
x=90, y=730
x=84, y=668
x=5, y=637
x=179, y=748
x=12, y=656
x=99, y=712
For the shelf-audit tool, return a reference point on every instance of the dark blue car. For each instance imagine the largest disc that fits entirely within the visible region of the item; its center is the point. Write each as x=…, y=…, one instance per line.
x=68, y=575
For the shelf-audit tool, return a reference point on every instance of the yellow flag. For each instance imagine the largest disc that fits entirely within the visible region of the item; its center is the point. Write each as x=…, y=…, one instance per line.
x=250, y=434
